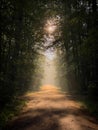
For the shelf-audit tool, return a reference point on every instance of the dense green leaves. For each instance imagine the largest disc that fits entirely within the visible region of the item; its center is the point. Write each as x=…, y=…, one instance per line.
x=20, y=21
x=81, y=41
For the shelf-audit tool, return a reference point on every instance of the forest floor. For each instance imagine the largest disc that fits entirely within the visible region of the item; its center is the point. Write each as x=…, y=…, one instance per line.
x=51, y=109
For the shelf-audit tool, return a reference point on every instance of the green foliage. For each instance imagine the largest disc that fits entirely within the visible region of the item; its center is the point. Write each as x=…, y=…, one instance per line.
x=81, y=42
x=91, y=107
x=10, y=110
x=20, y=22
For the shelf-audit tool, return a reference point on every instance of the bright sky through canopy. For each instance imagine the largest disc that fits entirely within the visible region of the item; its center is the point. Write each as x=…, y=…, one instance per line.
x=50, y=29
x=49, y=54
x=50, y=68
x=50, y=26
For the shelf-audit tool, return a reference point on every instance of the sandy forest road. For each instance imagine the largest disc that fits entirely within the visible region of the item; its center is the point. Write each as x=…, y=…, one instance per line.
x=50, y=109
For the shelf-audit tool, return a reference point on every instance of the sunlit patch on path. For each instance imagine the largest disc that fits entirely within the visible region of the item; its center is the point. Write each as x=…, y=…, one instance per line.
x=51, y=109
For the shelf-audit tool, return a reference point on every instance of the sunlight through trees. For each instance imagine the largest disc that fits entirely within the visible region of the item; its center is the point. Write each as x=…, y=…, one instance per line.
x=44, y=41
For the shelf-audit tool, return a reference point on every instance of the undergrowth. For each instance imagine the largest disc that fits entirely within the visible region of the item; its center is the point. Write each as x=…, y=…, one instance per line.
x=10, y=110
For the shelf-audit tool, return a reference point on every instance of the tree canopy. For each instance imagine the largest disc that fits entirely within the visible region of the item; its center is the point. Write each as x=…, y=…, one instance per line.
x=23, y=37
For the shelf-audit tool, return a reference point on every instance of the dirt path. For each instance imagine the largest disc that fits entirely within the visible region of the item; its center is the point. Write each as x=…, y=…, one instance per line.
x=51, y=109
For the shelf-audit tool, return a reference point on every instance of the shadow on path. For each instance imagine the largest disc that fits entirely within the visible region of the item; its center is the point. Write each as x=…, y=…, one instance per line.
x=50, y=109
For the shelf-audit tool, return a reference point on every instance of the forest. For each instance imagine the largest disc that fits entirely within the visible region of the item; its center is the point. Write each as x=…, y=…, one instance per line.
x=25, y=38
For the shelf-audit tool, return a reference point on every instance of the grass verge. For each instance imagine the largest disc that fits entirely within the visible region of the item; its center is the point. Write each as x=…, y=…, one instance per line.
x=10, y=110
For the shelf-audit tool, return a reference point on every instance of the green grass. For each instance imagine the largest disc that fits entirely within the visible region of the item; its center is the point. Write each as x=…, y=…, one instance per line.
x=10, y=110
x=91, y=107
